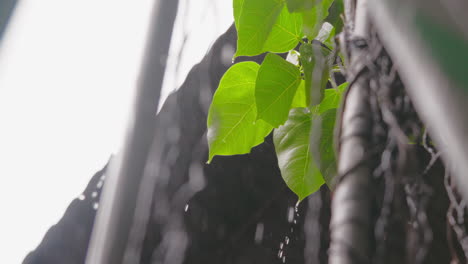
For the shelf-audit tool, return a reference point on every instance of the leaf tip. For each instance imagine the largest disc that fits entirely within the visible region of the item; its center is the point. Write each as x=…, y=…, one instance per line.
x=210, y=158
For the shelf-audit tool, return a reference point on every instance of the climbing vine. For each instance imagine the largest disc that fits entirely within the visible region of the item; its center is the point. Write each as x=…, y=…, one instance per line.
x=286, y=93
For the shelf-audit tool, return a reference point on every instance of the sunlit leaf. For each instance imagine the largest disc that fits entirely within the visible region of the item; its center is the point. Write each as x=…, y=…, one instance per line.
x=332, y=98
x=265, y=25
x=301, y=5
x=232, y=128
x=292, y=145
x=286, y=33
x=276, y=86
x=299, y=99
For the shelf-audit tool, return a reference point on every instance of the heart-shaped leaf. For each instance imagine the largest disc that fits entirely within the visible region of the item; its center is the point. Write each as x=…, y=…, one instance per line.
x=292, y=145
x=276, y=86
x=232, y=125
x=265, y=25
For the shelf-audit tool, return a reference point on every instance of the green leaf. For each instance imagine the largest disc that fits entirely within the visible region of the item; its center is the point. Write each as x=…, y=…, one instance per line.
x=276, y=85
x=265, y=25
x=321, y=144
x=332, y=98
x=286, y=33
x=301, y=5
x=334, y=16
x=313, y=18
x=299, y=99
x=315, y=68
x=292, y=145
x=232, y=128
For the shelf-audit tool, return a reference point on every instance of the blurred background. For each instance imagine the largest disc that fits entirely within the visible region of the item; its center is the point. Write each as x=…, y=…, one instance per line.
x=68, y=70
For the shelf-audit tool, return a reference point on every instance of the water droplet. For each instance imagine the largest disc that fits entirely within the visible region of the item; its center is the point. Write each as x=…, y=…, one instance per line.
x=280, y=253
x=95, y=206
x=259, y=233
x=284, y=259
x=286, y=240
x=227, y=52
x=281, y=245
x=290, y=214
x=103, y=177
x=186, y=208
x=81, y=197
x=295, y=221
x=99, y=184
x=94, y=194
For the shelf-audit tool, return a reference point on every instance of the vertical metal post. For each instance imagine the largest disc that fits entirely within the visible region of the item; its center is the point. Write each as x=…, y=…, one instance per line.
x=118, y=201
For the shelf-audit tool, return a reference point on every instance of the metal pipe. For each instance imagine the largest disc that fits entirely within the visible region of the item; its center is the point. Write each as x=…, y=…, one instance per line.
x=119, y=198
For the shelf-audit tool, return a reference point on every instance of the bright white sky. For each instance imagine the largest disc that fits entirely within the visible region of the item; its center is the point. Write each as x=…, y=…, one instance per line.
x=67, y=72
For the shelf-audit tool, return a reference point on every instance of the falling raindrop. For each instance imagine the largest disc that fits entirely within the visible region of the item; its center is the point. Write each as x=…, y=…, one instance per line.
x=295, y=221
x=227, y=53
x=99, y=184
x=281, y=245
x=284, y=259
x=280, y=253
x=286, y=240
x=95, y=206
x=186, y=207
x=290, y=214
x=259, y=233
x=94, y=194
